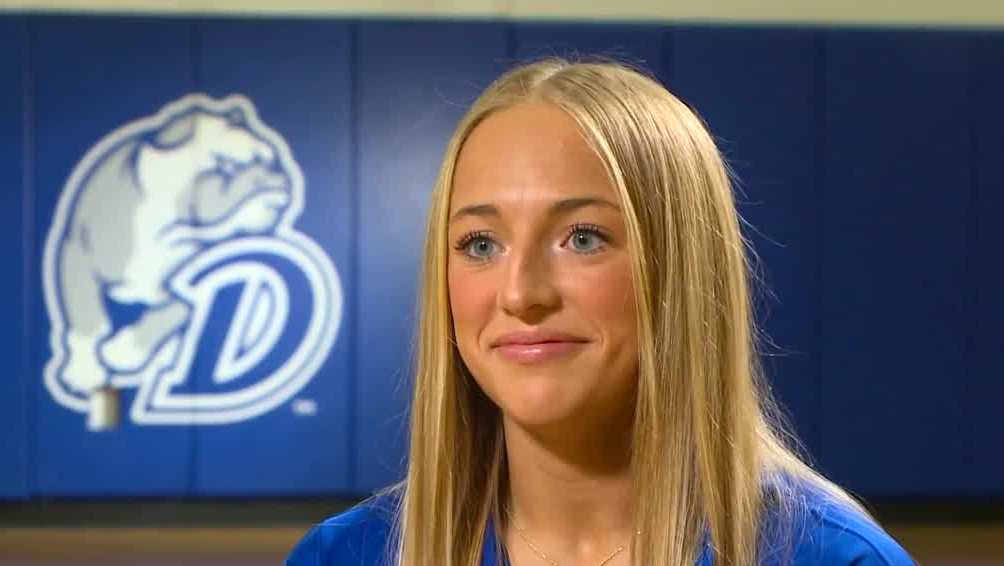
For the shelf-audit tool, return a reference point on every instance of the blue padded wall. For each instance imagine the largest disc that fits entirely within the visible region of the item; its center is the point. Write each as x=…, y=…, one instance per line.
x=14, y=431
x=92, y=75
x=642, y=45
x=985, y=367
x=870, y=172
x=755, y=89
x=285, y=450
x=896, y=168
x=413, y=85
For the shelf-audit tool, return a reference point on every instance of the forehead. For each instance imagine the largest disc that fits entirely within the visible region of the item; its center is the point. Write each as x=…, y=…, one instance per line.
x=533, y=152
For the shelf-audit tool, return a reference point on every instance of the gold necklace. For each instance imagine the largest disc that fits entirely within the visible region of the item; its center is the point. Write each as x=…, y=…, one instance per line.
x=540, y=553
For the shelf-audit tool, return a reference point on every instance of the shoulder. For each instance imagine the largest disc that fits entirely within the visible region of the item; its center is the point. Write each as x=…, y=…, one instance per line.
x=357, y=536
x=833, y=532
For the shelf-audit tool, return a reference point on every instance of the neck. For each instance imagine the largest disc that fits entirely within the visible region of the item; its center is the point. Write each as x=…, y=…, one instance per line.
x=570, y=487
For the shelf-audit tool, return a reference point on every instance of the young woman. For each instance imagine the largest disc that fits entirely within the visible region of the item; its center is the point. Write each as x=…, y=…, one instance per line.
x=587, y=388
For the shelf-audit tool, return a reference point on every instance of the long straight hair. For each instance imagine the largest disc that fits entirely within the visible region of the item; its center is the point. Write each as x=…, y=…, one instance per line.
x=709, y=456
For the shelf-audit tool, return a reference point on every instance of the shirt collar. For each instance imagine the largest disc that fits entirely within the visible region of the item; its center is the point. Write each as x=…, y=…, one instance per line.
x=488, y=553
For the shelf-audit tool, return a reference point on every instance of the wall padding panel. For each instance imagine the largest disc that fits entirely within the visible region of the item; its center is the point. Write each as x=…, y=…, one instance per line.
x=14, y=431
x=641, y=45
x=755, y=88
x=896, y=175
x=92, y=75
x=301, y=87
x=985, y=368
x=413, y=86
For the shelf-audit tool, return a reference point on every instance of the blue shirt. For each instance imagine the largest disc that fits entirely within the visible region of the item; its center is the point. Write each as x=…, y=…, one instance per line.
x=829, y=534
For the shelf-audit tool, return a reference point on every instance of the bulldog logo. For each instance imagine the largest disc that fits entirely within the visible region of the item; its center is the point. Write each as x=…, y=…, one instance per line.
x=172, y=266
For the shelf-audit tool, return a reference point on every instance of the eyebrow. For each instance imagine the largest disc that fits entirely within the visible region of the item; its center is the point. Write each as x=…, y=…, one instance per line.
x=560, y=207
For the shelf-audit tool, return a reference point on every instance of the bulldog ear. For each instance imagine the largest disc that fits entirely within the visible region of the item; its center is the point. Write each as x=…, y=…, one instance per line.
x=236, y=117
x=175, y=132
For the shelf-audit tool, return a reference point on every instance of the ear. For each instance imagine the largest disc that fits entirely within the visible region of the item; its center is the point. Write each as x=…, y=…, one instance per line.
x=236, y=117
x=175, y=133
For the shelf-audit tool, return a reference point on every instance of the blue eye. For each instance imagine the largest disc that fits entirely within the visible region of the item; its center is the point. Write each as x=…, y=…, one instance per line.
x=476, y=245
x=582, y=238
x=480, y=247
x=586, y=239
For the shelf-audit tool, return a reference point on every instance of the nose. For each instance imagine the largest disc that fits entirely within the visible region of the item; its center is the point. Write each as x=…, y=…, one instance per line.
x=528, y=291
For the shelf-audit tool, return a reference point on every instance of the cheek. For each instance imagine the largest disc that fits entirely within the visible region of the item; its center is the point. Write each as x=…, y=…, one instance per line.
x=604, y=295
x=471, y=300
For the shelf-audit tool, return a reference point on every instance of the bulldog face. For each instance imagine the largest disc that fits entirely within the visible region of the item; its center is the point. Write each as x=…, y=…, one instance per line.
x=216, y=170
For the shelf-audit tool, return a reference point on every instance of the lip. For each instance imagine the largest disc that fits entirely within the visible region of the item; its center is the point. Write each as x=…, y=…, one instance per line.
x=536, y=346
x=535, y=337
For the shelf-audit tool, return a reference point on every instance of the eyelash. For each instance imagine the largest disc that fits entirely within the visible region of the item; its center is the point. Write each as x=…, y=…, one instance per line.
x=593, y=229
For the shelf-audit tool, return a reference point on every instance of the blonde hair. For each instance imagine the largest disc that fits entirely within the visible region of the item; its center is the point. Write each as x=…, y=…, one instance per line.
x=708, y=454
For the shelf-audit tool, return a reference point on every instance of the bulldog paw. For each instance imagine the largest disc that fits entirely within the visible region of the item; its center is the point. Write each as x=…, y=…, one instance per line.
x=83, y=372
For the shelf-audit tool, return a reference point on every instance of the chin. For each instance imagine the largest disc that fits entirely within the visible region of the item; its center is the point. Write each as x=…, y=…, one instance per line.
x=531, y=418
x=538, y=401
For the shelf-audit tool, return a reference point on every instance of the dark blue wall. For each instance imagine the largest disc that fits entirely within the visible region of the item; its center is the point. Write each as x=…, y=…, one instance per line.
x=15, y=388
x=871, y=166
